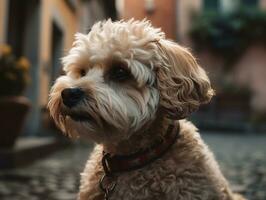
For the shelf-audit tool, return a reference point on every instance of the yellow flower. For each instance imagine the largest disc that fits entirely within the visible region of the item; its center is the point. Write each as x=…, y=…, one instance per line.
x=23, y=63
x=5, y=49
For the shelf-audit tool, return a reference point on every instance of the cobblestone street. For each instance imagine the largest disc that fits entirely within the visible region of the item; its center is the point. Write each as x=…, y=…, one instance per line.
x=242, y=159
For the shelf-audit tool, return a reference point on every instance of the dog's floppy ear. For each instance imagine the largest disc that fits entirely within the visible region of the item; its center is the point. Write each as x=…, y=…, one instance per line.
x=183, y=84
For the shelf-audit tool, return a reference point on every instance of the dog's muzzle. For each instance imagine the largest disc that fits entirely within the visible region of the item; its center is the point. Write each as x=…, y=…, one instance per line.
x=72, y=96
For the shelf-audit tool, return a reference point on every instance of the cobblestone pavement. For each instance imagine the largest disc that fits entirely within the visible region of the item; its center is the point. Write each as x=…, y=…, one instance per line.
x=242, y=159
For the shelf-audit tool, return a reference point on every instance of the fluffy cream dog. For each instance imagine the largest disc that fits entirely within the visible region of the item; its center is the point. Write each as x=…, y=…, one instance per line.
x=125, y=85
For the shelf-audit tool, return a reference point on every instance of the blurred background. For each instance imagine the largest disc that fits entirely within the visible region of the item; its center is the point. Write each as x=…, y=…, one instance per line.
x=227, y=37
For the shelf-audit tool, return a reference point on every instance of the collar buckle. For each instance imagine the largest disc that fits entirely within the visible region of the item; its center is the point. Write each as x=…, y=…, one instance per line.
x=116, y=163
x=105, y=164
x=107, y=185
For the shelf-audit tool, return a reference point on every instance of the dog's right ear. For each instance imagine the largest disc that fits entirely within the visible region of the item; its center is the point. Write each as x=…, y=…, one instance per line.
x=182, y=83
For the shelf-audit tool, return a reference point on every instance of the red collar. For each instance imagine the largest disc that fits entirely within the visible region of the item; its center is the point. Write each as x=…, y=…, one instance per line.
x=119, y=163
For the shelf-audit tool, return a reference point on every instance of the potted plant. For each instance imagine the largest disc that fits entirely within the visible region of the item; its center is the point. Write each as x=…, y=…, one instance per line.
x=14, y=77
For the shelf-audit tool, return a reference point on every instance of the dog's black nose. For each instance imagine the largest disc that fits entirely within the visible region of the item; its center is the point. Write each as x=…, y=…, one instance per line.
x=71, y=96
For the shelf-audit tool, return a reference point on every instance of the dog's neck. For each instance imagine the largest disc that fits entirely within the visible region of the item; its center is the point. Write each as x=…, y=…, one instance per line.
x=140, y=140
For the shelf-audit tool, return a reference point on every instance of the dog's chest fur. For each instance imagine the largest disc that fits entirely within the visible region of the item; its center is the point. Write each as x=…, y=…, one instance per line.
x=187, y=171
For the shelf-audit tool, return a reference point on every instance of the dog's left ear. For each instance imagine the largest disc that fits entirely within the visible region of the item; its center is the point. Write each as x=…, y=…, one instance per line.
x=182, y=83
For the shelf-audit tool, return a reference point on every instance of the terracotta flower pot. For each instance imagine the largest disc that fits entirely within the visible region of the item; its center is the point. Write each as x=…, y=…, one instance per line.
x=13, y=110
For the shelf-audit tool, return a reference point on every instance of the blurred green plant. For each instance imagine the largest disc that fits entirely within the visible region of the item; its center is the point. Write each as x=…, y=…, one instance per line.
x=14, y=72
x=228, y=34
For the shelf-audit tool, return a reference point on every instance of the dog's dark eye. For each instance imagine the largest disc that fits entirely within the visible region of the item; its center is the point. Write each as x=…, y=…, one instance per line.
x=119, y=74
x=83, y=72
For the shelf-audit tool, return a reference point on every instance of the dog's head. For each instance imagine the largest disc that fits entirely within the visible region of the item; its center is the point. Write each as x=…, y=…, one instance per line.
x=120, y=77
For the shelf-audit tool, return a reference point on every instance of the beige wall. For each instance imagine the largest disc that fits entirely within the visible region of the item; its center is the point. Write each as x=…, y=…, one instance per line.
x=250, y=71
x=263, y=4
x=184, y=10
x=3, y=19
x=92, y=12
x=70, y=22
x=58, y=11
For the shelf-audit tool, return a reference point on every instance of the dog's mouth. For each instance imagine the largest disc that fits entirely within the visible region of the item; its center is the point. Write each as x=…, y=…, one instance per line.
x=81, y=117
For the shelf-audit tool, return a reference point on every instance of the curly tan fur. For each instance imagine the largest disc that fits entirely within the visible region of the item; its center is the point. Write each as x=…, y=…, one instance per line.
x=187, y=172
x=183, y=84
x=131, y=115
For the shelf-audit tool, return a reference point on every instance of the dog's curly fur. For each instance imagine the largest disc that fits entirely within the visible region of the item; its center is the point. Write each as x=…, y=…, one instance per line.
x=137, y=82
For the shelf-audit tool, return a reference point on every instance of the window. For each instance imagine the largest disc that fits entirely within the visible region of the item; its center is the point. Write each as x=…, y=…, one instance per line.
x=72, y=4
x=249, y=3
x=211, y=5
x=57, y=49
x=109, y=9
x=17, y=21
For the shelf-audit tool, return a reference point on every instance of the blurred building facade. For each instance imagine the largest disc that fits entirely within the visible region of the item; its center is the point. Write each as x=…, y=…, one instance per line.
x=161, y=13
x=43, y=31
x=175, y=19
x=250, y=69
